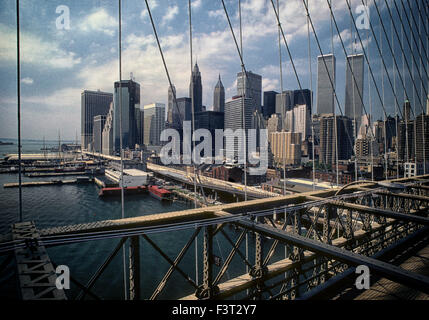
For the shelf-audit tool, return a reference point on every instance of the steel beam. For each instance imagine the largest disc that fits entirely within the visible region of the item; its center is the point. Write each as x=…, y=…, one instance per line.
x=391, y=272
x=134, y=268
x=379, y=212
x=36, y=274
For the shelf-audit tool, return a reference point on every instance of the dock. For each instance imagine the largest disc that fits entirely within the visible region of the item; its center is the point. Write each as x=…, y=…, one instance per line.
x=47, y=183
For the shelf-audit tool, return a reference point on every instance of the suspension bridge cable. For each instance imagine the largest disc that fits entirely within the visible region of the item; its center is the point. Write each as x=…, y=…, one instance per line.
x=335, y=109
x=283, y=122
x=386, y=155
x=400, y=45
x=166, y=71
x=371, y=124
x=18, y=97
x=415, y=23
x=292, y=61
x=121, y=143
x=421, y=92
x=408, y=42
x=326, y=68
x=312, y=107
x=245, y=83
x=192, y=100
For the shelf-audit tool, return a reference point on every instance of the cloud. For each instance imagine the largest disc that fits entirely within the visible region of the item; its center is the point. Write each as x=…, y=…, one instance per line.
x=152, y=5
x=34, y=50
x=27, y=80
x=99, y=21
x=196, y=4
x=216, y=13
x=170, y=14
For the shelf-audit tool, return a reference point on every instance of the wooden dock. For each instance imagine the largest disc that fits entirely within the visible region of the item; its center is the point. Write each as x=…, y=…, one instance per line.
x=46, y=183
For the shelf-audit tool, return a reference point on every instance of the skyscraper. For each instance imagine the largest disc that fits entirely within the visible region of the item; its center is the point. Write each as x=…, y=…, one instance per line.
x=325, y=89
x=422, y=138
x=107, y=140
x=219, y=97
x=354, y=104
x=269, y=103
x=93, y=103
x=196, y=89
x=251, y=86
x=287, y=101
x=99, y=122
x=154, y=123
x=234, y=120
x=130, y=92
x=171, y=106
x=329, y=138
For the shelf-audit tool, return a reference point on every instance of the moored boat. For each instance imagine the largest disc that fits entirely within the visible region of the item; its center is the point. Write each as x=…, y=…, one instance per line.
x=159, y=193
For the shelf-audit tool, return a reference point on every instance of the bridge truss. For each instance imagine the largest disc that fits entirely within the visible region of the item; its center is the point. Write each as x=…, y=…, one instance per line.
x=293, y=247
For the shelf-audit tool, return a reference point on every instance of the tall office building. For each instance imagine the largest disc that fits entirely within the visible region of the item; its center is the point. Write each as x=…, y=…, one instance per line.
x=154, y=123
x=354, y=89
x=130, y=92
x=196, y=89
x=107, y=139
x=171, y=106
x=287, y=101
x=234, y=120
x=93, y=103
x=298, y=119
x=269, y=107
x=251, y=87
x=99, y=122
x=286, y=147
x=274, y=123
x=330, y=135
x=326, y=76
x=422, y=138
x=406, y=144
x=210, y=120
x=219, y=97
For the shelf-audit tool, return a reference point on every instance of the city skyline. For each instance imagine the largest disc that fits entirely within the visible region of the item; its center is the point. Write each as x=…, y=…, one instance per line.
x=74, y=60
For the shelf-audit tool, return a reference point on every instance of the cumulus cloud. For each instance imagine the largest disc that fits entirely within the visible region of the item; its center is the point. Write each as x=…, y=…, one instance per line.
x=170, y=14
x=152, y=5
x=99, y=21
x=34, y=50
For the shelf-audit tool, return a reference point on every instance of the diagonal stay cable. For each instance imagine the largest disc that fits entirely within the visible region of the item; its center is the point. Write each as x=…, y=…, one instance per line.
x=349, y=63
x=401, y=47
x=326, y=68
x=408, y=42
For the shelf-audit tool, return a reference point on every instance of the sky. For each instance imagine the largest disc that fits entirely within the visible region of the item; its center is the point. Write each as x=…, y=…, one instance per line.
x=58, y=63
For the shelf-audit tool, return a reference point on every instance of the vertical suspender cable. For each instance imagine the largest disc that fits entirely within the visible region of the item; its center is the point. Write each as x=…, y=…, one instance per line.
x=243, y=110
x=282, y=100
x=245, y=83
x=370, y=124
x=413, y=67
x=192, y=101
x=421, y=93
x=384, y=116
x=193, y=130
x=311, y=90
x=121, y=143
x=395, y=70
x=334, y=92
x=405, y=94
x=355, y=128
x=18, y=93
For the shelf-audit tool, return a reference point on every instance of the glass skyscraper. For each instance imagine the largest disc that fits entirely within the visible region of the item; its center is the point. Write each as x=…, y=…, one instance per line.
x=130, y=92
x=354, y=104
x=93, y=103
x=326, y=72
